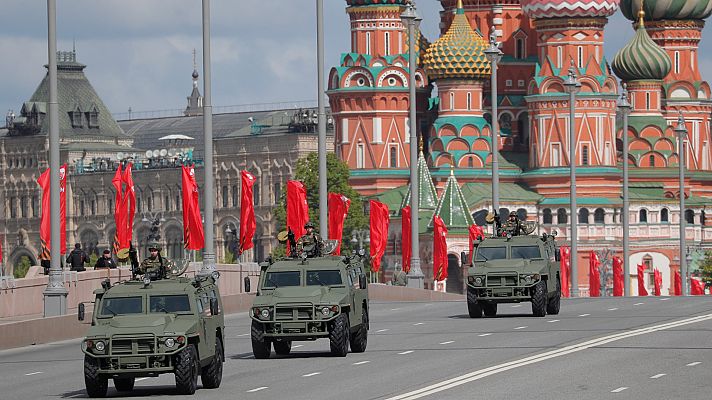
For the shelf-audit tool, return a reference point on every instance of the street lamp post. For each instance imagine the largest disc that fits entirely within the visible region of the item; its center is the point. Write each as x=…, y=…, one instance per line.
x=624, y=108
x=411, y=19
x=209, y=248
x=321, y=145
x=494, y=55
x=681, y=132
x=572, y=86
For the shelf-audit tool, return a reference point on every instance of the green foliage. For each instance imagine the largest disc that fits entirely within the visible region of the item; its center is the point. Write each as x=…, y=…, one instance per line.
x=229, y=257
x=22, y=267
x=93, y=259
x=337, y=179
x=706, y=267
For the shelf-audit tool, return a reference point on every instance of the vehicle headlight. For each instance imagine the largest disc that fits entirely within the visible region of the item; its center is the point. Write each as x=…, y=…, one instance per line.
x=99, y=346
x=478, y=281
x=146, y=280
x=527, y=278
x=264, y=314
x=170, y=342
x=325, y=311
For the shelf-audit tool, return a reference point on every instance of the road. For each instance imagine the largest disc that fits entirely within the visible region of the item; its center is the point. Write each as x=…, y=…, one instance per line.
x=633, y=348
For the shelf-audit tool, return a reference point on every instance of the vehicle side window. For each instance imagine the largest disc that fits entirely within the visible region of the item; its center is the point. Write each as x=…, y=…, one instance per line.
x=214, y=295
x=206, y=304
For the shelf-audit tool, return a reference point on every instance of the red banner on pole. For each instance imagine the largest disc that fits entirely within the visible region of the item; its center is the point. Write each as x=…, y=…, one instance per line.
x=641, y=281
x=193, y=234
x=45, y=218
x=678, y=284
x=128, y=204
x=405, y=238
x=439, y=249
x=565, y=270
x=120, y=212
x=297, y=209
x=658, y=278
x=475, y=232
x=338, y=210
x=248, y=225
x=379, y=220
x=618, y=279
x=594, y=275
x=697, y=288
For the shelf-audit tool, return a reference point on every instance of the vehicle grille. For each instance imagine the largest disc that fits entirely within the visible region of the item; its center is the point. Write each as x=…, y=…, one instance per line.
x=133, y=346
x=294, y=313
x=502, y=280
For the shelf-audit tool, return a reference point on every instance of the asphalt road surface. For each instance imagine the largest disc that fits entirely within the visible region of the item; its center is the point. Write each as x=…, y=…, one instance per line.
x=634, y=348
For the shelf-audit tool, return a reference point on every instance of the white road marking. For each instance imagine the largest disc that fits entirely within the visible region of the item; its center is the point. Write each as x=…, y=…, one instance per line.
x=448, y=342
x=361, y=362
x=584, y=315
x=312, y=374
x=638, y=304
x=620, y=389
x=666, y=298
x=243, y=334
x=418, y=323
x=516, y=305
x=395, y=309
x=657, y=376
x=613, y=309
x=257, y=389
x=34, y=373
x=692, y=364
x=141, y=379
x=537, y=358
x=484, y=334
x=382, y=330
x=406, y=352
x=554, y=320
x=296, y=346
x=520, y=327
x=246, y=357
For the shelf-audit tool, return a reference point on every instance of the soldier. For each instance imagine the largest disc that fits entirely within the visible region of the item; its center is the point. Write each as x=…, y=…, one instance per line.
x=155, y=265
x=105, y=261
x=513, y=225
x=310, y=239
x=399, y=276
x=77, y=258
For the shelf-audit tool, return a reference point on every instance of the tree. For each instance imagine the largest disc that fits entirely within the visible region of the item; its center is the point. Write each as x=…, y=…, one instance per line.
x=706, y=268
x=22, y=267
x=337, y=179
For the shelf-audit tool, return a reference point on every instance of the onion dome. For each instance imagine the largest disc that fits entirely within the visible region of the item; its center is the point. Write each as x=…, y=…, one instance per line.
x=377, y=2
x=459, y=53
x=569, y=8
x=641, y=59
x=667, y=9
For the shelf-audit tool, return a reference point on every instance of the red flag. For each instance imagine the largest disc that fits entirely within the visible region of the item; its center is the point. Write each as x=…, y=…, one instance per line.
x=641, y=281
x=439, y=249
x=618, y=280
x=594, y=276
x=379, y=220
x=338, y=209
x=697, y=288
x=193, y=234
x=45, y=223
x=248, y=225
x=128, y=206
x=475, y=232
x=297, y=209
x=565, y=269
x=678, y=284
x=658, y=278
x=405, y=238
x=120, y=212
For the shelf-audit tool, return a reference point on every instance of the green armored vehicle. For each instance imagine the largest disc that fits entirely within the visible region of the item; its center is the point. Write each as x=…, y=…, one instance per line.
x=307, y=298
x=160, y=324
x=513, y=269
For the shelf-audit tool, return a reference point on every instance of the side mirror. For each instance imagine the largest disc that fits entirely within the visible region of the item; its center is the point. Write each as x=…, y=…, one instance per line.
x=247, y=284
x=465, y=258
x=214, y=308
x=362, y=281
x=80, y=312
x=557, y=255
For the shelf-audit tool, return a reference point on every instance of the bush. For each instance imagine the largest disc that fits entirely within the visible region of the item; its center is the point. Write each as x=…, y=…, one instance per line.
x=22, y=267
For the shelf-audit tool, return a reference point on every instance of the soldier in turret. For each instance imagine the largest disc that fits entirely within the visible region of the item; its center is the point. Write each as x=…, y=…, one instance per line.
x=513, y=225
x=311, y=242
x=155, y=266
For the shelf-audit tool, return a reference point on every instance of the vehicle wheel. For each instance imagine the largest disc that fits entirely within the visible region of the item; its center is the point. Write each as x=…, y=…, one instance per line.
x=490, y=309
x=124, y=384
x=359, y=340
x=261, y=346
x=554, y=303
x=282, y=348
x=473, y=307
x=187, y=370
x=539, y=299
x=339, y=335
x=95, y=383
x=211, y=375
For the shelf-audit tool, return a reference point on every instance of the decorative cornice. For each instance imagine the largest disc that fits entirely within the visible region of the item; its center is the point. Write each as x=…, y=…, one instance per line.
x=570, y=22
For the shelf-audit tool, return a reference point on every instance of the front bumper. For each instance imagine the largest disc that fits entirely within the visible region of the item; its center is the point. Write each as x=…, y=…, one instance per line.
x=502, y=294
x=136, y=355
x=296, y=321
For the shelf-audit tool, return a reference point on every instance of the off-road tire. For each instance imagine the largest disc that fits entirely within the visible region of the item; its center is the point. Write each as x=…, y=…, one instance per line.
x=124, y=384
x=539, y=300
x=339, y=335
x=261, y=346
x=211, y=375
x=282, y=348
x=359, y=339
x=490, y=309
x=187, y=370
x=96, y=384
x=473, y=307
x=554, y=304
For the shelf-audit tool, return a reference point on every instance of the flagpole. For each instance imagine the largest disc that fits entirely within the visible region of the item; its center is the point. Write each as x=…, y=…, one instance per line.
x=209, y=249
x=321, y=145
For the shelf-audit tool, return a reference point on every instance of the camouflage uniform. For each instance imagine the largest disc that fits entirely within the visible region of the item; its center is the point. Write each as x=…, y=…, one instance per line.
x=513, y=226
x=153, y=264
x=400, y=278
x=308, y=240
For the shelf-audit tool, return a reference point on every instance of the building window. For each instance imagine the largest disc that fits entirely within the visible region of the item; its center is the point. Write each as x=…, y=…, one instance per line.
x=559, y=56
x=519, y=49
x=76, y=118
x=179, y=203
x=452, y=101
x=139, y=204
x=664, y=215
x=561, y=217
x=647, y=100
x=277, y=192
x=234, y=195
x=35, y=207
x=149, y=203
x=393, y=157
x=93, y=119
x=643, y=216
x=224, y=196
x=547, y=217
x=677, y=62
x=651, y=160
x=388, y=43
x=520, y=83
x=522, y=214
x=470, y=162
x=23, y=206
x=368, y=43
x=584, y=155
x=555, y=154
x=469, y=101
x=599, y=216
x=256, y=192
x=690, y=217
x=580, y=56
x=508, y=83
x=583, y=216
x=360, y=156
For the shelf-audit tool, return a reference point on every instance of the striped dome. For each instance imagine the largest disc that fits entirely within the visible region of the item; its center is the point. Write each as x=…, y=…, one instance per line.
x=641, y=59
x=667, y=9
x=459, y=53
x=569, y=8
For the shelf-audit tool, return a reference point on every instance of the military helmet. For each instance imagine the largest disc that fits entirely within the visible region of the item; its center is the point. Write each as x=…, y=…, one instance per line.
x=308, y=225
x=154, y=245
x=513, y=214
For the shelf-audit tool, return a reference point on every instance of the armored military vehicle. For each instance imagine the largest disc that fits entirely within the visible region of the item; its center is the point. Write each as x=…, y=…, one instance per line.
x=513, y=269
x=307, y=297
x=160, y=324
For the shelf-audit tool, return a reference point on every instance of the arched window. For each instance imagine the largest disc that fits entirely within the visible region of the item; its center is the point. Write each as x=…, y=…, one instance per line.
x=583, y=216
x=690, y=216
x=256, y=192
x=643, y=216
x=561, y=216
x=480, y=216
x=584, y=155
x=664, y=215
x=393, y=156
x=519, y=48
x=546, y=216
x=702, y=217
x=277, y=191
x=234, y=195
x=167, y=200
x=224, y=196
x=503, y=213
x=599, y=216
x=522, y=214
x=651, y=160
x=452, y=101
x=469, y=101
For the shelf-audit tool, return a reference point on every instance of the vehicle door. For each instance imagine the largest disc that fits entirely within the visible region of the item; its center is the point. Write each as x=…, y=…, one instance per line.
x=207, y=323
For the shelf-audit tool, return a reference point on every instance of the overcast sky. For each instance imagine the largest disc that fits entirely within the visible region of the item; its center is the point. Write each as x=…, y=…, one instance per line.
x=139, y=52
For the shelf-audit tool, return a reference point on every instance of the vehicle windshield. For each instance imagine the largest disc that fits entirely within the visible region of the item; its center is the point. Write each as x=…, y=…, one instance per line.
x=282, y=279
x=111, y=306
x=526, y=252
x=169, y=304
x=491, y=253
x=324, y=278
